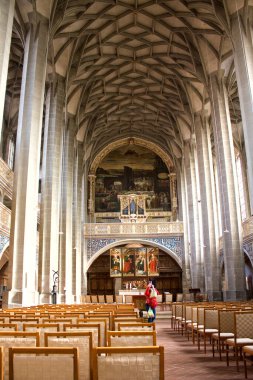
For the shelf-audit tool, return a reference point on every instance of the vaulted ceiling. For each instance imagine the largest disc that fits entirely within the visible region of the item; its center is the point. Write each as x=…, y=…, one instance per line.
x=132, y=67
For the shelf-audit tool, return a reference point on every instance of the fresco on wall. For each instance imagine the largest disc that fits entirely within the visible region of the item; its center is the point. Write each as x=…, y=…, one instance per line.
x=115, y=263
x=141, y=262
x=132, y=169
x=152, y=254
x=128, y=262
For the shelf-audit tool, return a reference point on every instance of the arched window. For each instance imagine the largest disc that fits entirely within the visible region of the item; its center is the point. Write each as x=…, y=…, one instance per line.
x=241, y=187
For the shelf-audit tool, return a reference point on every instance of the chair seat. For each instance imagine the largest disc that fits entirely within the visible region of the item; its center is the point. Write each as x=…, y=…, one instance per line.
x=223, y=335
x=210, y=331
x=248, y=349
x=239, y=341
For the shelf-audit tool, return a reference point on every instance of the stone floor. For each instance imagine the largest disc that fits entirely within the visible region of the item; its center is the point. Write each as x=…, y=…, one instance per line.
x=184, y=361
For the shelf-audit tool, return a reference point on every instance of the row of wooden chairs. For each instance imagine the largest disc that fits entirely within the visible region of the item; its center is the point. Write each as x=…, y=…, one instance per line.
x=28, y=363
x=225, y=325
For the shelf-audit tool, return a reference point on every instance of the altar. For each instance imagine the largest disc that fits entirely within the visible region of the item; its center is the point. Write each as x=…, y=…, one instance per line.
x=138, y=295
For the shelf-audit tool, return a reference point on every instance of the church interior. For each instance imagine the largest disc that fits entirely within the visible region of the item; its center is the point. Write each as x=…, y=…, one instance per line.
x=126, y=157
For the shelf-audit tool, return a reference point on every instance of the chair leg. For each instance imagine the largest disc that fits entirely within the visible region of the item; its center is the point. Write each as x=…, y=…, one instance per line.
x=245, y=366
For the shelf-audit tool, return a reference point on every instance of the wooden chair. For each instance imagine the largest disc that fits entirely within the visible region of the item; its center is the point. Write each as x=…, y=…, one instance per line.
x=118, y=320
x=179, y=297
x=168, y=300
x=43, y=363
x=131, y=338
x=60, y=321
x=81, y=340
x=41, y=328
x=243, y=321
x=226, y=329
x=128, y=363
x=109, y=299
x=1, y=363
x=210, y=326
x=119, y=298
x=136, y=326
x=16, y=339
x=247, y=357
x=94, y=328
x=8, y=327
x=101, y=299
x=103, y=322
x=94, y=299
x=128, y=299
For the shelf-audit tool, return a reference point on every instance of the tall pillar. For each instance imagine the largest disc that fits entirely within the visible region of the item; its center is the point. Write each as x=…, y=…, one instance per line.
x=51, y=188
x=92, y=182
x=173, y=194
x=193, y=218
x=206, y=175
x=186, y=267
x=224, y=148
x=66, y=238
x=23, y=263
x=77, y=228
x=243, y=56
x=6, y=22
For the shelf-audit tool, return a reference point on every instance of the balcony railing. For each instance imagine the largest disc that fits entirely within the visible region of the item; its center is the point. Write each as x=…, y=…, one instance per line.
x=140, y=229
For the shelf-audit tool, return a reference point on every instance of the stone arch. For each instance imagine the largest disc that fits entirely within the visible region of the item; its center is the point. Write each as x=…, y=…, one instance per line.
x=131, y=241
x=131, y=141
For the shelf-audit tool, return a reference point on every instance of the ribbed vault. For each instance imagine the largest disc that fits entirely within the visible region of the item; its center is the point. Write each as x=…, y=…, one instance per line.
x=132, y=67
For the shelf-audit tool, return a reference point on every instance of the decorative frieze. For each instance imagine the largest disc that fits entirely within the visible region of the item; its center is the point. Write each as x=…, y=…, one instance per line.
x=142, y=229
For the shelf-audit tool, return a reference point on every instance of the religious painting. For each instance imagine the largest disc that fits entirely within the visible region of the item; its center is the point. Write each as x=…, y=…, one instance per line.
x=115, y=262
x=128, y=262
x=132, y=169
x=141, y=262
x=152, y=256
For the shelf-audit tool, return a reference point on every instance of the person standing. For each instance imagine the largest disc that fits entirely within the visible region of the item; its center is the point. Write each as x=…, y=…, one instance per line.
x=151, y=300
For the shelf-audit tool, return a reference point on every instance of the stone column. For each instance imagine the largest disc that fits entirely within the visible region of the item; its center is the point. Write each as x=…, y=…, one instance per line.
x=173, y=194
x=23, y=265
x=229, y=203
x=51, y=188
x=92, y=182
x=243, y=55
x=186, y=267
x=206, y=175
x=6, y=22
x=66, y=238
x=193, y=218
x=77, y=228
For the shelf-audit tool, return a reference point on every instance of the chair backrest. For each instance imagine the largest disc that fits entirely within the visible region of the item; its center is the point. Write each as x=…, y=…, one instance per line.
x=244, y=324
x=168, y=298
x=8, y=327
x=87, y=299
x=211, y=319
x=94, y=328
x=16, y=339
x=109, y=298
x=128, y=299
x=20, y=321
x=41, y=328
x=118, y=320
x=179, y=297
x=128, y=363
x=101, y=299
x=131, y=338
x=43, y=363
x=188, y=297
x=136, y=326
x=159, y=298
x=94, y=299
x=60, y=321
x=82, y=340
x=104, y=326
x=119, y=299
x=226, y=321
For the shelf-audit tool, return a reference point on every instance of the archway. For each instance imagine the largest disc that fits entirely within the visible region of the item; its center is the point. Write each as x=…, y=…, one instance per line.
x=99, y=280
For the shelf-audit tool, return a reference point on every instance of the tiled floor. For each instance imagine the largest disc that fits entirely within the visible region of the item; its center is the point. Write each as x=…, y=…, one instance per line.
x=184, y=361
